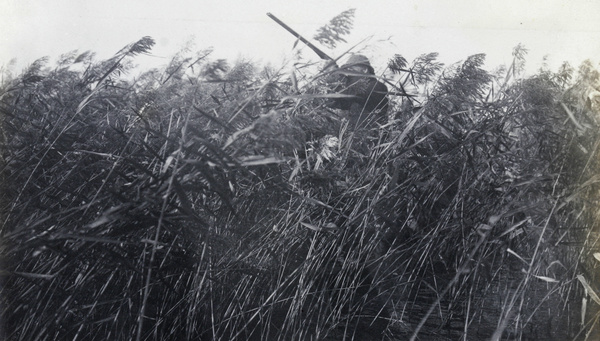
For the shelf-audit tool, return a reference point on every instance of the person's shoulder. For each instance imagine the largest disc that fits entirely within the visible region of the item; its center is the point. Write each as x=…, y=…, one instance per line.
x=381, y=85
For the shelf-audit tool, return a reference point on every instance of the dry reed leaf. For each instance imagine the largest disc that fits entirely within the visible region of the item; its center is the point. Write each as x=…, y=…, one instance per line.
x=328, y=226
x=516, y=255
x=100, y=221
x=258, y=160
x=34, y=276
x=546, y=279
x=583, y=309
x=588, y=289
x=311, y=226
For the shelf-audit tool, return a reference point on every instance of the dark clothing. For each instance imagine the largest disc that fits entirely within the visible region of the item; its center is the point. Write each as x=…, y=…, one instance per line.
x=369, y=95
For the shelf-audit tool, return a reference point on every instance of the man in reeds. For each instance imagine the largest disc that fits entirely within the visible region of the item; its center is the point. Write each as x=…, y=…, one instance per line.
x=367, y=102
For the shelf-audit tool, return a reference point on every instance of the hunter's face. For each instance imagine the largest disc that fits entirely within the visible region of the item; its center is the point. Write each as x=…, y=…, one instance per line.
x=359, y=68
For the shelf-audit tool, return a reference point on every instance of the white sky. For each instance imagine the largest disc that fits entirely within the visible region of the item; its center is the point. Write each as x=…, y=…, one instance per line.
x=563, y=30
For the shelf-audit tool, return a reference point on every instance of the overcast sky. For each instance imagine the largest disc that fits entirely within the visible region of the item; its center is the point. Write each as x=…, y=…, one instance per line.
x=563, y=30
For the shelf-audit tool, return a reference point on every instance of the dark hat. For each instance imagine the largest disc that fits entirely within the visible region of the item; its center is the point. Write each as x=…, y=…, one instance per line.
x=358, y=59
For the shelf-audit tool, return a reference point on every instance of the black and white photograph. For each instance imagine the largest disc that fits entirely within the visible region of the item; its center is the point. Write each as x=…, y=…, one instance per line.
x=340, y=170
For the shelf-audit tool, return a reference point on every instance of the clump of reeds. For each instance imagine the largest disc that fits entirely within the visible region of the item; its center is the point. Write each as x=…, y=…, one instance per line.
x=218, y=202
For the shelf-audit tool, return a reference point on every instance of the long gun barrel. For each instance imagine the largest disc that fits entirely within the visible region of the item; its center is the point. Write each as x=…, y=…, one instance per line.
x=318, y=51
